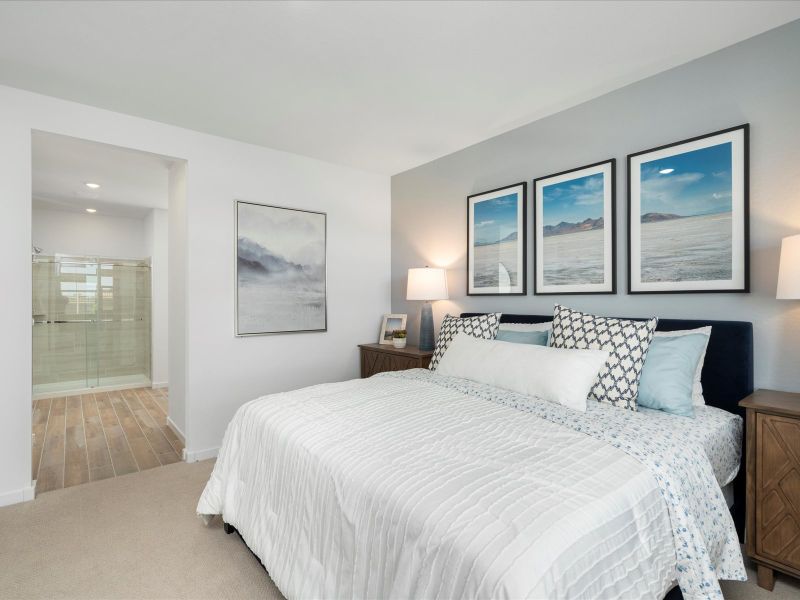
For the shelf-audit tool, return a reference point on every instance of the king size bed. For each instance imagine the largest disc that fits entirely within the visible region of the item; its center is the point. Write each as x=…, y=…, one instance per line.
x=419, y=485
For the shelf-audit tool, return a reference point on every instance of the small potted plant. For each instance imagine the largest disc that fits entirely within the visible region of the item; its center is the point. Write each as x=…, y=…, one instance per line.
x=399, y=338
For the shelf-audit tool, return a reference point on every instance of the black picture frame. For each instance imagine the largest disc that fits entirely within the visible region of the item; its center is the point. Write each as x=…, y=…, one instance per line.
x=611, y=262
x=521, y=234
x=743, y=213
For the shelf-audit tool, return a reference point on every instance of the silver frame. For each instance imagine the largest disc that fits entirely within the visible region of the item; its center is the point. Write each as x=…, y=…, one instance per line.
x=236, y=268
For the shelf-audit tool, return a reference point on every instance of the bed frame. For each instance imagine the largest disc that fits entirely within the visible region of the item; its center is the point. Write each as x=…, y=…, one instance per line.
x=727, y=378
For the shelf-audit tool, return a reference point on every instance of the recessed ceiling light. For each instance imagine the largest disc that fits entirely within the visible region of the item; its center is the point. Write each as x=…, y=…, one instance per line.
x=666, y=171
x=91, y=185
x=91, y=210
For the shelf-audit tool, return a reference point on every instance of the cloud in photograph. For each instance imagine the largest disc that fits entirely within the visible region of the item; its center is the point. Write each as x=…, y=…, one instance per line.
x=699, y=182
x=573, y=201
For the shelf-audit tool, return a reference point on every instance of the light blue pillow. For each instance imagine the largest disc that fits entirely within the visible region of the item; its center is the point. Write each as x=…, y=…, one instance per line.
x=537, y=338
x=668, y=373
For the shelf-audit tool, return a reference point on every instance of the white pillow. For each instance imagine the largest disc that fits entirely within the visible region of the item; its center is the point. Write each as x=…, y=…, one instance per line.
x=697, y=386
x=554, y=374
x=526, y=326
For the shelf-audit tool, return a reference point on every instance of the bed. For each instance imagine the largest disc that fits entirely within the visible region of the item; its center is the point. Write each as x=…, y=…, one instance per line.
x=416, y=485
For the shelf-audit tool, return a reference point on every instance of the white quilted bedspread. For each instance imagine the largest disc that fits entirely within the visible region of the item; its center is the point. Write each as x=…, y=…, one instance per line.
x=397, y=487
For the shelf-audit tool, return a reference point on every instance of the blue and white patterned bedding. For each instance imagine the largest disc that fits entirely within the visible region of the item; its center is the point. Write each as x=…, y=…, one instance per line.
x=717, y=431
x=675, y=452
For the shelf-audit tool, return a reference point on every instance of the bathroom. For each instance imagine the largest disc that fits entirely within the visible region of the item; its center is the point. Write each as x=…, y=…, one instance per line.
x=99, y=311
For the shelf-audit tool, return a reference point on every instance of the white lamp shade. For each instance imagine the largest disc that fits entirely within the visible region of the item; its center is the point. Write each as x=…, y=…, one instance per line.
x=427, y=283
x=789, y=271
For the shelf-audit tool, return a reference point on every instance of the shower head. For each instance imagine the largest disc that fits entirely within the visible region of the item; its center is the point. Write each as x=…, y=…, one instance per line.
x=36, y=250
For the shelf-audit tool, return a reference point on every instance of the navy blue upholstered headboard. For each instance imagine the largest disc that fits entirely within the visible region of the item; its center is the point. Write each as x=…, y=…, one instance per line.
x=727, y=374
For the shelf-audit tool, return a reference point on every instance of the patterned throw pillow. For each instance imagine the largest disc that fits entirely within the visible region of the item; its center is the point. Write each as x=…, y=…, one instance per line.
x=627, y=341
x=483, y=327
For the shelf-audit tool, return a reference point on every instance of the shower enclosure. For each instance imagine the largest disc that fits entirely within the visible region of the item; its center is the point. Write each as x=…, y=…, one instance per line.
x=91, y=323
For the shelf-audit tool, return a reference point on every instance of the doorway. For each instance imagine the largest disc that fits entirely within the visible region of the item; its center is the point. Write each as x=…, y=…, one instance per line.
x=99, y=312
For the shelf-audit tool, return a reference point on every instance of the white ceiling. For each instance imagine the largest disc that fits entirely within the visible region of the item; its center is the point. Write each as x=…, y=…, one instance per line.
x=132, y=183
x=383, y=86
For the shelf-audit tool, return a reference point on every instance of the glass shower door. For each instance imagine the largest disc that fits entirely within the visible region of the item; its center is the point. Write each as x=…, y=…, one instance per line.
x=124, y=323
x=63, y=324
x=91, y=323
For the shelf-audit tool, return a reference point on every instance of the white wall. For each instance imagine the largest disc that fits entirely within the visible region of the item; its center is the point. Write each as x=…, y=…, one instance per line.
x=84, y=234
x=221, y=371
x=178, y=276
x=156, y=227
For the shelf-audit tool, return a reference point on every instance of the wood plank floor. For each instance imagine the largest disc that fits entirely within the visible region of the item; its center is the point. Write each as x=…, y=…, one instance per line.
x=84, y=438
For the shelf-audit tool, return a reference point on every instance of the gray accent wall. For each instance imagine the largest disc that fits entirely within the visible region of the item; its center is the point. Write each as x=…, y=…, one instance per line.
x=756, y=81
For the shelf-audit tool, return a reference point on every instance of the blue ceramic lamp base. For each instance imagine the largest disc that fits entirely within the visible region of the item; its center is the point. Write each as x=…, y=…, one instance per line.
x=426, y=327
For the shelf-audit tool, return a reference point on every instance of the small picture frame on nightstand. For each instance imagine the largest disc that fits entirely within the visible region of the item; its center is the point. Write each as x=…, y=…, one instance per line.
x=390, y=323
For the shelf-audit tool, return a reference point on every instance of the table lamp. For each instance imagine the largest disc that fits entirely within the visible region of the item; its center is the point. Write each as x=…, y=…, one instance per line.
x=426, y=284
x=789, y=270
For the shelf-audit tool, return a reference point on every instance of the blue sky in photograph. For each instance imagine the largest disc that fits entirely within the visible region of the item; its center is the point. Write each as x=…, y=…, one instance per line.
x=573, y=201
x=495, y=219
x=700, y=183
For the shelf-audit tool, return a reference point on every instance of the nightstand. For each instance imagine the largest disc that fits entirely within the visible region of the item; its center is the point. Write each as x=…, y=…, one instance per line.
x=377, y=358
x=773, y=483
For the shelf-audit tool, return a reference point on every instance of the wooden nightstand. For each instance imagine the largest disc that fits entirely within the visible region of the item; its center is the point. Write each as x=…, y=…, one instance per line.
x=377, y=358
x=773, y=483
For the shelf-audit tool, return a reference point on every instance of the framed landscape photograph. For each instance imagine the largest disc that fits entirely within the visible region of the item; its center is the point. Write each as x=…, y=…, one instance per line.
x=389, y=325
x=574, y=231
x=688, y=215
x=496, y=242
x=280, y=269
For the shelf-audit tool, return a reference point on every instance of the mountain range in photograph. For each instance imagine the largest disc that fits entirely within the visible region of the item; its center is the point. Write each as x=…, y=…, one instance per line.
x=564, y=227
x=511, y=237
x=657, y=217
x=253, y=256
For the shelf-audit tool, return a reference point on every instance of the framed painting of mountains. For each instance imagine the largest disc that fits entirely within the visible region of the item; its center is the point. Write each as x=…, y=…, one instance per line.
x=688, y=216
x=574, y=246
x=496, y=242
x=280, y=270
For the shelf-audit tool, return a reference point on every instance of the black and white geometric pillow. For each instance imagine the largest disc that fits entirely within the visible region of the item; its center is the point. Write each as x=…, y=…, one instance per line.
x=483, y=327
x=627, y=341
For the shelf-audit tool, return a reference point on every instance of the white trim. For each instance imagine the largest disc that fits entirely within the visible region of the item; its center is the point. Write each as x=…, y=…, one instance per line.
x=90, y=390
x=176, y=430
x=191, y=456
x=16, y=496
x=159, y=384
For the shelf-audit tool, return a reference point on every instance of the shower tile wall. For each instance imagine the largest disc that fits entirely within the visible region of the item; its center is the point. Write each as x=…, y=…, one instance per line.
x=91, y=323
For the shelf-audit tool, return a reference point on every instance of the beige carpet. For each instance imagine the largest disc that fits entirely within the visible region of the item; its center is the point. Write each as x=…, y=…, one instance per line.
x=137, y=536
x=134, y=536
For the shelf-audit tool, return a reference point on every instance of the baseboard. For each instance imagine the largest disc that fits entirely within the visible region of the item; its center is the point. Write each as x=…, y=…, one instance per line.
x=159, y=384
x=191, y=456
x=17, y=496
x=176, y=430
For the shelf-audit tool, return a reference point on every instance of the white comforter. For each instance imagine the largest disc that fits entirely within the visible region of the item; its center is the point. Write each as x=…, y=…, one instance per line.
x=401, y=487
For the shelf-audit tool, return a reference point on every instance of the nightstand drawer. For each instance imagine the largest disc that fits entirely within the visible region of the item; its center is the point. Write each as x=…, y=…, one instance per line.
x=377, y=362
